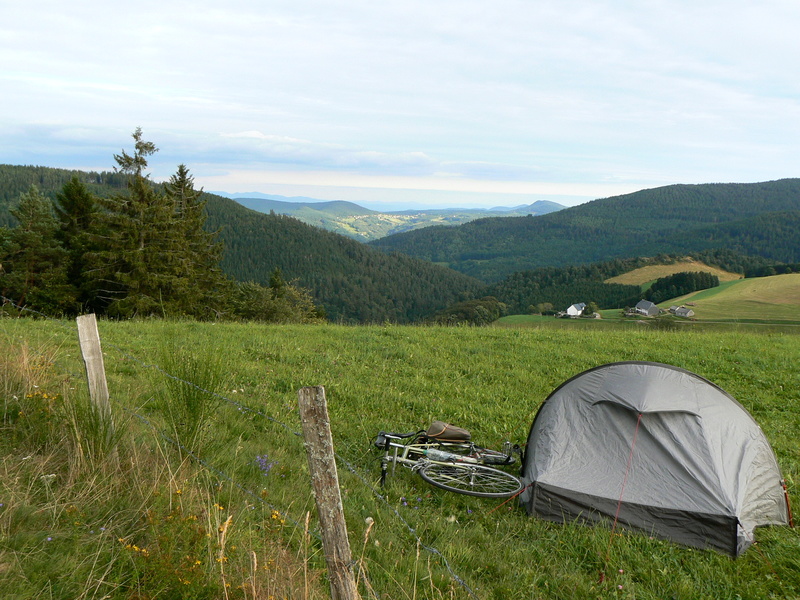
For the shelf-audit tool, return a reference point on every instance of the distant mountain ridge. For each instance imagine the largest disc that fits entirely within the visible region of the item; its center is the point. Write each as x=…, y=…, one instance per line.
x=364, y=224
x=751, y=218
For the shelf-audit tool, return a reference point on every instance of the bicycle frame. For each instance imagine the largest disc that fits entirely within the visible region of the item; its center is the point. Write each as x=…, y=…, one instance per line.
x=415, y=454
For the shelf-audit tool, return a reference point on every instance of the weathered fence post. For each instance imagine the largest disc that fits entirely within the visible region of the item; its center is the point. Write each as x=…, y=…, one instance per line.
x=89, y=338
x=325, y=482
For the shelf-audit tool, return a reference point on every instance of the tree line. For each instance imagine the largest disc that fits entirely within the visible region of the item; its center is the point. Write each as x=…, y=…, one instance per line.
x=142, y=250
x=679, y=284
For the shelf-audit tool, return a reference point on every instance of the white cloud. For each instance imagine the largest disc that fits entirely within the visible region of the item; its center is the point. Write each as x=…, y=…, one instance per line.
x=512, y=92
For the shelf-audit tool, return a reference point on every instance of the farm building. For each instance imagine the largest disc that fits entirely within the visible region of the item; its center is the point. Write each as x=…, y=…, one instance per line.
x=681, y=311
x=647, y=308
x=576, y=309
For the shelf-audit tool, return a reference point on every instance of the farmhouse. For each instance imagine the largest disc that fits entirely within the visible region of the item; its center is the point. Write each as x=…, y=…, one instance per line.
x=681, y=311
x=576, y=309
x=647, y=308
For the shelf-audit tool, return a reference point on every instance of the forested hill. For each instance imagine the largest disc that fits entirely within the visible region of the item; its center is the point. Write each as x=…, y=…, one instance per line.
x=754, y=218
x=15, y=180
x=353, y=282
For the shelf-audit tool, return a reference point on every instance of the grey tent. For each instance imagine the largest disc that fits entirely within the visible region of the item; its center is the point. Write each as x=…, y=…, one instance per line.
x=658, y=448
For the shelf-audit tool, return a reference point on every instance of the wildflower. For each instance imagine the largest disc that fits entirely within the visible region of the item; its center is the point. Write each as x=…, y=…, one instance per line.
x=264, y=464
x=619, y=587
x=622, y=570
x=49, y=539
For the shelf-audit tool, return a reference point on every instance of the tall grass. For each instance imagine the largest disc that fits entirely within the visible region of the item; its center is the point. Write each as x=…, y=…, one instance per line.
x=411, y=541
x=147, y=524
x=192, y=380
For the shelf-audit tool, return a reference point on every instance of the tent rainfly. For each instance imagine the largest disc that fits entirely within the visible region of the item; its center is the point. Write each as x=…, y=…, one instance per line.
x=658, y=449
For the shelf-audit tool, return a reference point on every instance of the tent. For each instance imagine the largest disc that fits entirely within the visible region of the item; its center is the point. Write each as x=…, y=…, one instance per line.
x=656, y=448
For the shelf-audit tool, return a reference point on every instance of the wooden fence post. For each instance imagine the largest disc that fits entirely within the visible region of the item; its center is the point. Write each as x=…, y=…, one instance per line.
x=325, y=482
x=89, y=338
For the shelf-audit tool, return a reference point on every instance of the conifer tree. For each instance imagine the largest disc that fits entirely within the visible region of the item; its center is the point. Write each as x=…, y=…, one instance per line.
x=76, y=210
x=33, y=264
x=139, y=238
x=206, y=290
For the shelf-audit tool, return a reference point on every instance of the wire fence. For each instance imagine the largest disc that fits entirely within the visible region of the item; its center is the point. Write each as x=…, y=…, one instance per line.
x=69, y=327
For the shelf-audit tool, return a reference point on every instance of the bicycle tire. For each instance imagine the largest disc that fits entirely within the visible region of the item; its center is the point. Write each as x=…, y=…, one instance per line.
x=472, y=480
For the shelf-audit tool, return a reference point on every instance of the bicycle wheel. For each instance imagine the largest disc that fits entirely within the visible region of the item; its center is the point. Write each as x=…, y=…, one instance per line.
x=472, y=480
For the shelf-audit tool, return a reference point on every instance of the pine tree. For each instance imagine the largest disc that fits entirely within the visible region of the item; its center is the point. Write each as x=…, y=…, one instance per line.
x=33, y=262
x=205, y=289
x=136, y=268
x=76, y=209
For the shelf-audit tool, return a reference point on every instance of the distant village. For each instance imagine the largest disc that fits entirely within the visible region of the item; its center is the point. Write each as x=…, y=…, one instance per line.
x=643, y=308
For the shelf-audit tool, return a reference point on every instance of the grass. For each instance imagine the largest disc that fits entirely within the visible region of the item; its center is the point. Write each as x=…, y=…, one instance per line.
x=489, y=380
x=650, y=273
x=775, y=298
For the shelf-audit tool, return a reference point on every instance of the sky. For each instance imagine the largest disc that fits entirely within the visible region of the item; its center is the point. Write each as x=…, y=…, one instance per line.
x=403, y=104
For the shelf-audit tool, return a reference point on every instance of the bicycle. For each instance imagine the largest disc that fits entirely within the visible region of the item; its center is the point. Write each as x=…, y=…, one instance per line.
x=455, y=465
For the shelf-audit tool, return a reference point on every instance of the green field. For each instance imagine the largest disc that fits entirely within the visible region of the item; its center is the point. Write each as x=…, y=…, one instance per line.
x=135, y=517
x=775, y=298
x=771, y=302
x=650, y=273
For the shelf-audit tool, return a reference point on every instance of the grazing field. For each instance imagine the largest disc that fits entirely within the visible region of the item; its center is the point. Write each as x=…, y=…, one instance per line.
x=651, y=273
x=775, y=298
x=228, y=513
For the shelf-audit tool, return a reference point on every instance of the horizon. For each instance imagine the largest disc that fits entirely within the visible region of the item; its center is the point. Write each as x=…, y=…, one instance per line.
x=380, y=206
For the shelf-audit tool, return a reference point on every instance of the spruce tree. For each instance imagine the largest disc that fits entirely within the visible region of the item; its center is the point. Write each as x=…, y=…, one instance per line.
x=76, y=209
x=136, y=268
x=205, y=290
x=33, y=263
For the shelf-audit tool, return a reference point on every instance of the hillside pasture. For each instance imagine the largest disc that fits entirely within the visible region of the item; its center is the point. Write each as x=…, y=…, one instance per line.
x=650, y=273
x=113, y=530
x=775, y=298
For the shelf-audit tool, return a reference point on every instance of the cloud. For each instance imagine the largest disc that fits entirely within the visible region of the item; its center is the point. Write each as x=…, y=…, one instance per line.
x=570, y=92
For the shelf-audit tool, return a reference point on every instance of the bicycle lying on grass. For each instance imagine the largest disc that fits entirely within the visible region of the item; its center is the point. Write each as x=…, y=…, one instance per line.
x=445, y=457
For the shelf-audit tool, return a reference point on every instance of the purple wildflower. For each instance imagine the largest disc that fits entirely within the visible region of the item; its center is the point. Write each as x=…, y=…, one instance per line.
x=264, y=464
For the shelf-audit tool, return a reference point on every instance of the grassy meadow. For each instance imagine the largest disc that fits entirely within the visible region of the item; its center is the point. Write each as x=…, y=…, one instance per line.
x=650, y=273
x=775, y=298
x=201, y=495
